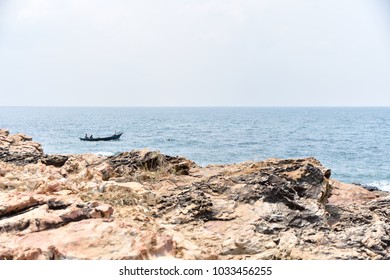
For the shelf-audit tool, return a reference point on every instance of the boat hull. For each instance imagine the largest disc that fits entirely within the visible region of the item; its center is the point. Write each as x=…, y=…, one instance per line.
x=109, y=138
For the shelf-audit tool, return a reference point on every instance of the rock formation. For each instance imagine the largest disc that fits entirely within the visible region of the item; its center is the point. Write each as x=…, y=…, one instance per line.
x=19, y=148
x=146, y=205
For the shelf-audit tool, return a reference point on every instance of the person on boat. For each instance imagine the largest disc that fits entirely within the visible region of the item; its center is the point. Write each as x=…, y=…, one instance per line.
x=91, y=136
x=86, y=136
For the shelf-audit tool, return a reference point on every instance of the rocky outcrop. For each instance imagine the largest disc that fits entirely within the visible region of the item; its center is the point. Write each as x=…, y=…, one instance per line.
x=21, y=212
x=146, y=205
x=19, y=148
x=62, y=226
x=128, y=164
x=55, y=160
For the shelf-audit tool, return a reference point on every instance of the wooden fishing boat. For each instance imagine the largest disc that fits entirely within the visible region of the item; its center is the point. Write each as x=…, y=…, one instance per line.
x=115, y=136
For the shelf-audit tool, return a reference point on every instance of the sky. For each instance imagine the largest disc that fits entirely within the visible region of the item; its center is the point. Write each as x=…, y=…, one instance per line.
x=194, y=53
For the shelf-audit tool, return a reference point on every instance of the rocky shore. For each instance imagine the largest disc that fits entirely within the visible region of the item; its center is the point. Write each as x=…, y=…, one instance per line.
x=146, y=205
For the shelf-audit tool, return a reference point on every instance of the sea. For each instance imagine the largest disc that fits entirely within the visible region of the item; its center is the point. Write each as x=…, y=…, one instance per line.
x=353, y=142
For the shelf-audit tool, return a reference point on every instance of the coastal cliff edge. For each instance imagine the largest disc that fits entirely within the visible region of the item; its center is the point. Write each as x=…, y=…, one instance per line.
x=143, y=204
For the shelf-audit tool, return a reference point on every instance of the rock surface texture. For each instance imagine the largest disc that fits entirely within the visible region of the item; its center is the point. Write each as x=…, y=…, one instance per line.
x=146, y=205
x=19, y=148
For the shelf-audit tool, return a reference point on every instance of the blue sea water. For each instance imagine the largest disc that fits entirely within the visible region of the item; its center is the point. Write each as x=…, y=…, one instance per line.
x=353, y=142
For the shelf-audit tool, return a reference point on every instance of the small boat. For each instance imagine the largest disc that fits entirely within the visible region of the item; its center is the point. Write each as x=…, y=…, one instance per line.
x=116, y=136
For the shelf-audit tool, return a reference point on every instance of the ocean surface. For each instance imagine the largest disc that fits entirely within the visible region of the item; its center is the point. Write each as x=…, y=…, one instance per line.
x=353, y=142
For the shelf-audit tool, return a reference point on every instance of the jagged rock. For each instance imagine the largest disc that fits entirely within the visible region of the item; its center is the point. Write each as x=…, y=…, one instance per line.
x=185, y=206
x=4, y=132
x=344, y=194
x=16, y=138
x=145, y=205
x=55, y=160
x=74, y=165
x=89, y=239
x=131, y=193
x=36, y=213
x=19, y=149
x=105, y=170
x=127, y=163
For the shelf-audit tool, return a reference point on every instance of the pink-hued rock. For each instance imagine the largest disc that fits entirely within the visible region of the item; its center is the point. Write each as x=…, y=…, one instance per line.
x=89, y=239
x=19, y=148
x=31, y=213
x=4, y=132
x=145, y=205
x=12, y=202
x=345, y=194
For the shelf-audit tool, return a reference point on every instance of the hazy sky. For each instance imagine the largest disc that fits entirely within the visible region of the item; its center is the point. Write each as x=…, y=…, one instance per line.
x=195, y=52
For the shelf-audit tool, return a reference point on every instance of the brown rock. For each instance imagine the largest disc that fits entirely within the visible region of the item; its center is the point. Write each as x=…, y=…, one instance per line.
x=19, y=149
x=4, y=132
x=55, y=160
x=344, y=194
x=145, y=205
x=129, y=163
x=89, y=239
x=105, y=170
x=105, y=211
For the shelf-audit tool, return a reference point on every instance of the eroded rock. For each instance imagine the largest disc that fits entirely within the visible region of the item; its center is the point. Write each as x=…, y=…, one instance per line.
x=128, y=163
x=19, y=148
x=146, y=205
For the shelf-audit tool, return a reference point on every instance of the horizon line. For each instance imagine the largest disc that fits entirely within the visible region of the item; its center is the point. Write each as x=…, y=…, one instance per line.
x=198, y=106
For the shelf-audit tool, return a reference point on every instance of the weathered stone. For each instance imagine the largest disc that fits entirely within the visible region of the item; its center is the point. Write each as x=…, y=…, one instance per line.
x=89, y=239
x=19, y=149
x=128, y=163
x=186, y=206
x=4, y=132
x=37, y=213
x=55, y=160
x=105, y=170
x=145, y=205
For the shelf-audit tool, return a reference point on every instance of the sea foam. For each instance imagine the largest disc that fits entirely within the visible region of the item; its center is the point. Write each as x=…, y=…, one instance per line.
x=104, y=154
x=383, y=185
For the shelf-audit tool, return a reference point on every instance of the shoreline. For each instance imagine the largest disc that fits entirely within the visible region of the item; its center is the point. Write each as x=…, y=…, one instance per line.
x=145, y=205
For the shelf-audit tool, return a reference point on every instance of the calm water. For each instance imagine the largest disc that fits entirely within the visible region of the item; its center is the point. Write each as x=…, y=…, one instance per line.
x=353, y=142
